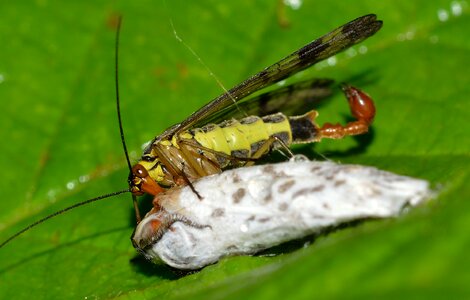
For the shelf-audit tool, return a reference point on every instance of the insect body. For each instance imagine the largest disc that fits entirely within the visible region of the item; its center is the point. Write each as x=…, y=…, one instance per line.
x=208, y=150
x=202, y=145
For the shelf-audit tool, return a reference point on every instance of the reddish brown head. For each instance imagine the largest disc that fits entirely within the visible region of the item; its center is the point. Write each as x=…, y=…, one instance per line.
x=141, y=183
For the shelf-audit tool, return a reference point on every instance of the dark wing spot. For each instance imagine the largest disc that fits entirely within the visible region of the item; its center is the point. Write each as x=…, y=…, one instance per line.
x=312, y=51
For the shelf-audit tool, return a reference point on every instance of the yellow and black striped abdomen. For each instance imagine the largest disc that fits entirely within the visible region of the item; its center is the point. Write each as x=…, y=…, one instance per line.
x=243, y=138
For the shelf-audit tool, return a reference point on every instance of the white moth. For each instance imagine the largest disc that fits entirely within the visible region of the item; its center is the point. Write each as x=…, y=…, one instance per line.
x=246, y=210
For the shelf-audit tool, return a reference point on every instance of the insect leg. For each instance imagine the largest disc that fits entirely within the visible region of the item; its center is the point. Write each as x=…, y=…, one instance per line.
x=191, y=186
x=171, y=166
x=266, y=146
x=282, y=145
x=191, y=159
x=362, y=108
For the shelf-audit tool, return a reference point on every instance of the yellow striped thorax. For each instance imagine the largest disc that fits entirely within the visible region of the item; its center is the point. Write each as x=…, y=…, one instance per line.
x=155, y=169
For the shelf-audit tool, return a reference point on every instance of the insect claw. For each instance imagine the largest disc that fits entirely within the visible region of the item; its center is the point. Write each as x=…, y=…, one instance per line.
x=362, y=108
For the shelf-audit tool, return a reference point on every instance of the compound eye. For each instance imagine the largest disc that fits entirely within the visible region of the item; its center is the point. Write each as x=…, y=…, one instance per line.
x=139, y=171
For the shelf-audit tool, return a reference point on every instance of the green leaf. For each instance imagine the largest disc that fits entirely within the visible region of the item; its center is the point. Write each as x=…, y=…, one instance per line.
x=60, y=142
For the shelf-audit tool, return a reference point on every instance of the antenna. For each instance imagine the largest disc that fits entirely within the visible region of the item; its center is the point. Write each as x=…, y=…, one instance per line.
x=118, y=30
x=118, y=108
x=59, y=213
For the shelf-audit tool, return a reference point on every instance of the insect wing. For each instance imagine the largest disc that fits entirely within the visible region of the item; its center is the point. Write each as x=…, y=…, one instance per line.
x=294, y=99
x=326, y=46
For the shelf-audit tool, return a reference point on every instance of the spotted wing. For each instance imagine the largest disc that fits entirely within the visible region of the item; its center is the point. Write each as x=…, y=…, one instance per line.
x=319, y=49
x=294, y=99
